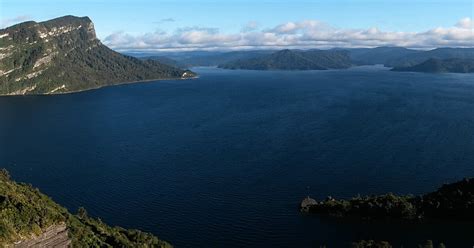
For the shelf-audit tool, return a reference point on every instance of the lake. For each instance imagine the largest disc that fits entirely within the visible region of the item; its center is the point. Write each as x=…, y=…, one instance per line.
x=224, y=160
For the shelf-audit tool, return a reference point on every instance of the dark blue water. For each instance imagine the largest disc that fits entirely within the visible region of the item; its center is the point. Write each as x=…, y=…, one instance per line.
x=224, y=160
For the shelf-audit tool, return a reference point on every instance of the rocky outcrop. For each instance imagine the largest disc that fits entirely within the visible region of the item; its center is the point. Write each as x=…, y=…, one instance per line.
x=54, y=236
x=306, y=203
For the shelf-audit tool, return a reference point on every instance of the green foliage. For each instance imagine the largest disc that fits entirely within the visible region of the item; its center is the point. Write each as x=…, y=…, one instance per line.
x=383, y=206
x=25, y=211
x=451, y=201
x=90, y=232
x=73, y=58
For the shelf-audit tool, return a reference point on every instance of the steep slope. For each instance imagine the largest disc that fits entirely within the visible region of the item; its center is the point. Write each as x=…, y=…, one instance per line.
x=28, y=217
x=294, y=60
x=441, y=65
x=64, y=55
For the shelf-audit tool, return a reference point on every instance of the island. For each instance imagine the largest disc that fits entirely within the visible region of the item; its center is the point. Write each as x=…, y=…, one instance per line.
x=28, y=218
x=64, y=55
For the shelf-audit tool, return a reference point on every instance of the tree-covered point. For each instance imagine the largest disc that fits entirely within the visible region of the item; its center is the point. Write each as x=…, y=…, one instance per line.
x=26, y=212
x=451, y=201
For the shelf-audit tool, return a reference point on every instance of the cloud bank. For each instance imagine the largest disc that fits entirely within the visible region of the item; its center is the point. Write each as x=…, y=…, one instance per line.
x=303, y=34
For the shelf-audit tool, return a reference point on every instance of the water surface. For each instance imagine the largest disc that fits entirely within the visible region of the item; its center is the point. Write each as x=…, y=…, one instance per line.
x=224, y=160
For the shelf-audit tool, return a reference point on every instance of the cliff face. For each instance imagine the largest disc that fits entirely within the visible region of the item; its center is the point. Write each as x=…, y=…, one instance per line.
x=64, y=55
x=28, y=218
x=54, y=236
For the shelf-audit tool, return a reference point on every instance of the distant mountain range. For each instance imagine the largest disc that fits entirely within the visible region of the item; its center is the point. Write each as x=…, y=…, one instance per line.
x=315, y=59
x=64, y=55
x=201, y=58
x=378, y=55
x=439, y=53
x=294, y=60
x=441, y=65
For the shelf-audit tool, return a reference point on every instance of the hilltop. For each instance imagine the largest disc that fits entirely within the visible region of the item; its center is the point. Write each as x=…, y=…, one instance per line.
x=294, y=60
x=64, y=55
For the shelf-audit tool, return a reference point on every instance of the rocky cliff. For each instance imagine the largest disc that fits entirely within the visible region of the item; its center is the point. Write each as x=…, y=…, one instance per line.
x=54, y=236
x=64, y=55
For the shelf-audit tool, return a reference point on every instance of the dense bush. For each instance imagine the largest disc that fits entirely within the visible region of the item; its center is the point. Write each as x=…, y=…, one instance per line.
x=25, y=211
x=453, y=201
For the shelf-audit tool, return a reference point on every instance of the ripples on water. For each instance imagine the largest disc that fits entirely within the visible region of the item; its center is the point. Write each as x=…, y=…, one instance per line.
x=224, y=160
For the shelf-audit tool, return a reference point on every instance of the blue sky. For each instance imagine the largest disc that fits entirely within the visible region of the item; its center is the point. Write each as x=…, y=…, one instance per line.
x=138, y=18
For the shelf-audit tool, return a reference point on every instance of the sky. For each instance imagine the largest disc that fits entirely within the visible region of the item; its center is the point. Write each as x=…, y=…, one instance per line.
x=251, y=24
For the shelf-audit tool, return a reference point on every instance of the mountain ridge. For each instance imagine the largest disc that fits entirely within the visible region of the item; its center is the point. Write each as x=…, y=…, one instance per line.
x=453, y=65
x=389, y=56
x=63, y=55
x=294, y=60
x=437, y=53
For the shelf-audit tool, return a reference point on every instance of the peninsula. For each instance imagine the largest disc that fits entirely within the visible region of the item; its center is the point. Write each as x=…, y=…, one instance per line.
x=64, y=55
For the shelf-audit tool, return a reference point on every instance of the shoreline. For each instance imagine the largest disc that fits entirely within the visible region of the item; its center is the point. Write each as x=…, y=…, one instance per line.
x=452, y=201
x=100, y=87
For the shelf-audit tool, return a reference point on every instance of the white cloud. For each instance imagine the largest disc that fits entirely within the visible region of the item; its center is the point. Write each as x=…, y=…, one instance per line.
x=6, y=22
x=465, y=23
x=289, y=27
x=294, y=27
x=304, y=34
x=250, y=26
